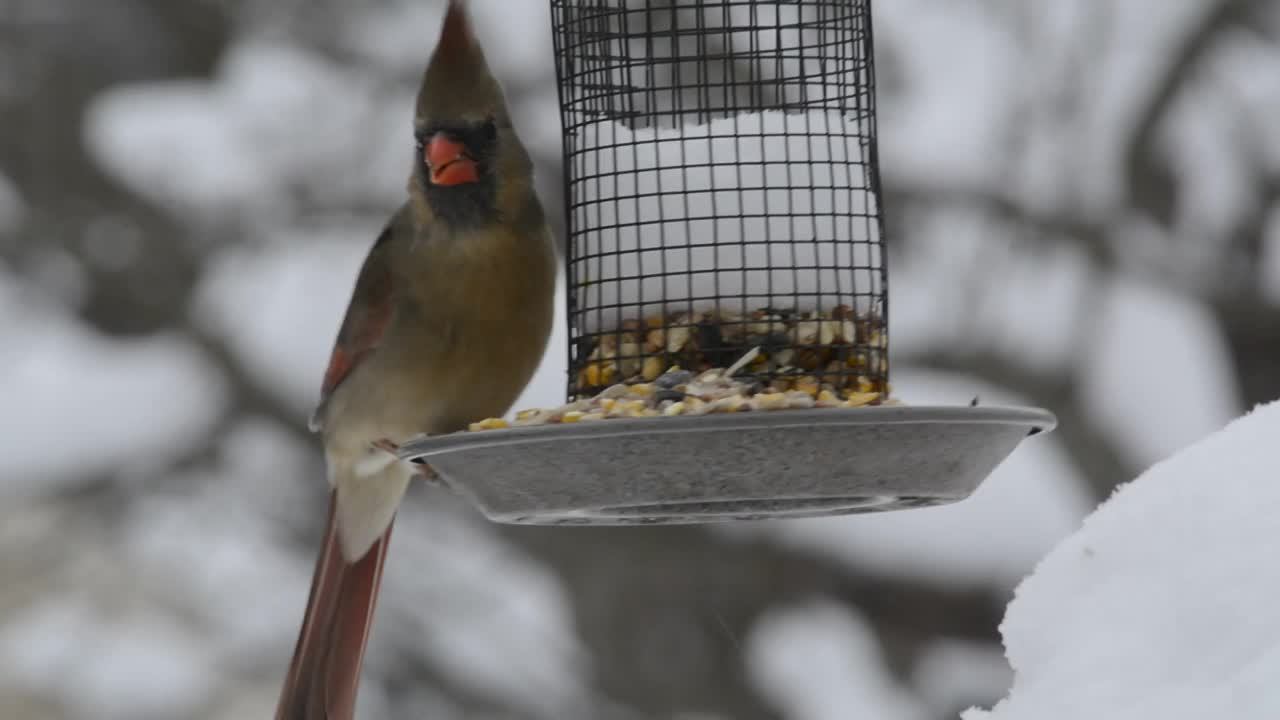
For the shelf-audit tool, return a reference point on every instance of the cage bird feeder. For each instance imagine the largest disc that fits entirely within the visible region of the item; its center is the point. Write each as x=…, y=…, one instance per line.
x=727, y=287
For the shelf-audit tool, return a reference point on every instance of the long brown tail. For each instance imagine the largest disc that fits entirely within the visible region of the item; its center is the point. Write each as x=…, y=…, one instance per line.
x=325, y=671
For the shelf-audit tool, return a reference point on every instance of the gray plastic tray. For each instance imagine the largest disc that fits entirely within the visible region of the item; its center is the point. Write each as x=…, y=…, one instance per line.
x=753, y=465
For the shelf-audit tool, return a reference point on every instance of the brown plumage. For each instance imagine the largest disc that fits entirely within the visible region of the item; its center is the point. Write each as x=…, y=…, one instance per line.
x=448, y=320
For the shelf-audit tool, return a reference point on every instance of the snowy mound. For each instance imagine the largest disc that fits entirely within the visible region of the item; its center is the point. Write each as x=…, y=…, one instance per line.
x=1166, y=604
x=763, y=204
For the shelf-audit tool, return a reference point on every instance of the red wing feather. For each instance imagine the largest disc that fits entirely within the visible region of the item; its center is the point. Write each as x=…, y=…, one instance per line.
x=366, y=320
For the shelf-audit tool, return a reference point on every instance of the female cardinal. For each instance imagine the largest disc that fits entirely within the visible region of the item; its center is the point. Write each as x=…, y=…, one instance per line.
x=448, y=320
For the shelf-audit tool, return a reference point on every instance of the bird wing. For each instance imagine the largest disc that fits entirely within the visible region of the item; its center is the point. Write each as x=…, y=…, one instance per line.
x=365, y=322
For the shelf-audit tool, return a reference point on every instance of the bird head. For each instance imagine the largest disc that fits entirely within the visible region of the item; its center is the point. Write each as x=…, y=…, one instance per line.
x=468, y=155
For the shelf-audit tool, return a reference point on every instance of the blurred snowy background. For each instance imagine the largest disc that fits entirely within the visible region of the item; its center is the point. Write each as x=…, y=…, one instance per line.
x=1084, y=212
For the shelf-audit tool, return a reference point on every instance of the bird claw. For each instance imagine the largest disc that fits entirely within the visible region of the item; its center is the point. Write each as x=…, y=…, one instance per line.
x=427, y=472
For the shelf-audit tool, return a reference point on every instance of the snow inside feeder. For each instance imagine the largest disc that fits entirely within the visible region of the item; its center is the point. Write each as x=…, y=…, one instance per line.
x=727, y=293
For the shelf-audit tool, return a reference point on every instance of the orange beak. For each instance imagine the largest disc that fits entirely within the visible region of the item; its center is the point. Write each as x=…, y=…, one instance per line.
x=448, y=162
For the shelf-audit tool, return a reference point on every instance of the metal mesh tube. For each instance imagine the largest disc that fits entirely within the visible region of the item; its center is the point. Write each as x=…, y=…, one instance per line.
x=722, y=190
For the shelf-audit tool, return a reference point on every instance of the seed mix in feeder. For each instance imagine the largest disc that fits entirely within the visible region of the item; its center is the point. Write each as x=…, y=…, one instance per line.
x=818, y=360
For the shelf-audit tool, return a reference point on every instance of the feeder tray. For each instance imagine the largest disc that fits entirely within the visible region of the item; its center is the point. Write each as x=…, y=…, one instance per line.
x=740, y=466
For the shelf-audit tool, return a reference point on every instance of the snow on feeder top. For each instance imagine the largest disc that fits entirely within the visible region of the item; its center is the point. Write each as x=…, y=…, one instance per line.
x=725, y=259
x=722, y=191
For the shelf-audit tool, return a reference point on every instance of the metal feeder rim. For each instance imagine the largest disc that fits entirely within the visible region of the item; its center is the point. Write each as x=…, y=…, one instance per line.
x=1039, y=419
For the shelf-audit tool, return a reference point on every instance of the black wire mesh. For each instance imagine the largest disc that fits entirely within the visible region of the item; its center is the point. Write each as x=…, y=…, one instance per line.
x=722, y=191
